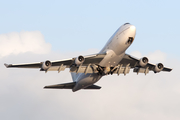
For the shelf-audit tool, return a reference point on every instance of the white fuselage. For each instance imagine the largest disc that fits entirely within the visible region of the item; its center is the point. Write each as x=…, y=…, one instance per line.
x=115, y=49
x=117, y=45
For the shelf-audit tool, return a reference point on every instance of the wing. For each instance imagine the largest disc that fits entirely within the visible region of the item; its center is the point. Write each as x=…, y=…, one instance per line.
x=60, y=64
x=134, y=63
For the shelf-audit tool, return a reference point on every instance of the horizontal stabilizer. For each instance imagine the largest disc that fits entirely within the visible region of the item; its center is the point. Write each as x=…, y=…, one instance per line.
x=70, y=86
x=93, y=87
x=62, y=86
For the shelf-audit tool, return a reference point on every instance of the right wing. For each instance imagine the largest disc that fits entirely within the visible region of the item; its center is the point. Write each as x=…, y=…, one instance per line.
x=133, y=62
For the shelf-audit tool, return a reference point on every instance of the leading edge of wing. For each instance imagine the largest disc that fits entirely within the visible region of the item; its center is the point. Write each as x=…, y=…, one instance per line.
x=87, y=56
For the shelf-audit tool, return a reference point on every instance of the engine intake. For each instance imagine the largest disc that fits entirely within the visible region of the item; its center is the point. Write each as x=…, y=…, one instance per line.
x=47, y=64
x=143, y=61
x=158, y=67
x=79, y=60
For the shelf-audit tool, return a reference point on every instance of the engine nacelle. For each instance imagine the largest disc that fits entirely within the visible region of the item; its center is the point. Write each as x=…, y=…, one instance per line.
x=143, y=61
x=47, y=64
x=158, y=67
x=79, y=60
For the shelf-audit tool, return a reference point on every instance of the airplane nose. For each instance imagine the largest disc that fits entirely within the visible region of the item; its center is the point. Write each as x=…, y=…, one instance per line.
x=133, y=28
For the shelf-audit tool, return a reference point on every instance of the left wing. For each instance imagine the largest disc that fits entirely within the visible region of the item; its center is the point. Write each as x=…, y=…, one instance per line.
x=133, y=62
x=59, y=65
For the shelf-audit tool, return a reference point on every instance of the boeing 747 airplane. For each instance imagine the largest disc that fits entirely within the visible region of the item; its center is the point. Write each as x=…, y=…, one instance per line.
x=112, y=59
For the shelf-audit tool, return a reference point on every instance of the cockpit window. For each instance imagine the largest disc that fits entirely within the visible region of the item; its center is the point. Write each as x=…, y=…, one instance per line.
x=126, y=23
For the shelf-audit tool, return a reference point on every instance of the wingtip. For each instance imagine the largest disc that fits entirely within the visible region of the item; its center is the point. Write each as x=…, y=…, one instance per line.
x=6, y=65
x=45, y=87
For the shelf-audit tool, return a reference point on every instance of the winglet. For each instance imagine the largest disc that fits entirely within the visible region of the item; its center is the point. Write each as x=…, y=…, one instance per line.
x=6, y=65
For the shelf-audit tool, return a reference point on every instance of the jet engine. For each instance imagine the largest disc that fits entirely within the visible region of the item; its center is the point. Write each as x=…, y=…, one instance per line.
x=47, y=64
x=79, y=60
x=158, y=67
x=143, y=61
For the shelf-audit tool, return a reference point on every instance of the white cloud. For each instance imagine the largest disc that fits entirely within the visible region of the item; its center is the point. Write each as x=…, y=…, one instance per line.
x=136, y=54
x=22, y=42
x=156, y=56
x=154, y=96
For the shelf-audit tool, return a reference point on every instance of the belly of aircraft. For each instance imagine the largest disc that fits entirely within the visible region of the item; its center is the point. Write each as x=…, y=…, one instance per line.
x=111, y=61
x=86, y=80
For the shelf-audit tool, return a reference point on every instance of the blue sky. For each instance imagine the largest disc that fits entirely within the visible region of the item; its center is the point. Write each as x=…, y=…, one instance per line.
x=71, y=25
x=37, y=30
